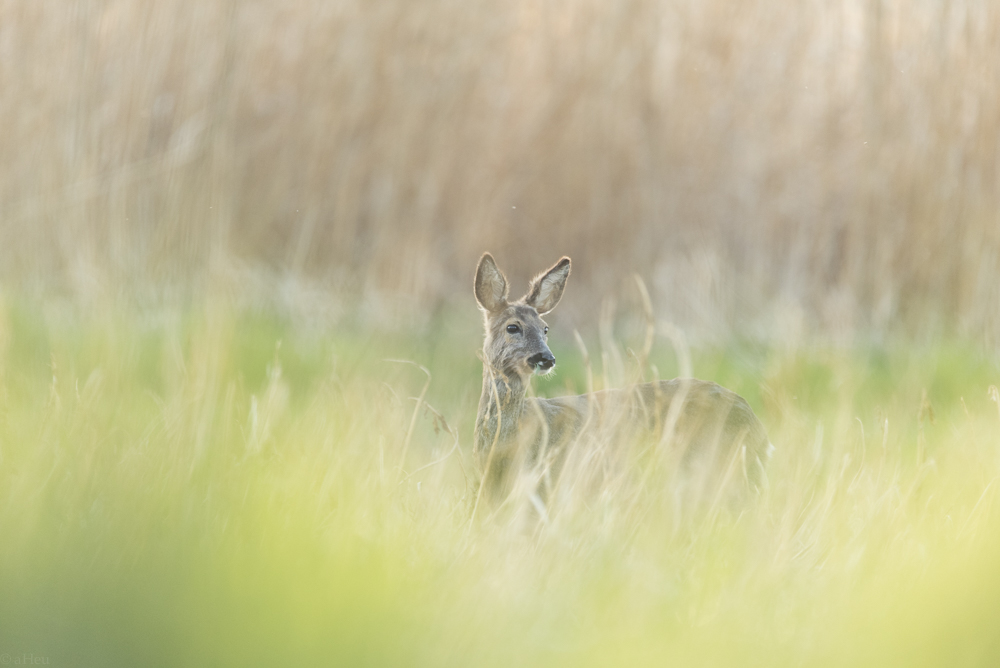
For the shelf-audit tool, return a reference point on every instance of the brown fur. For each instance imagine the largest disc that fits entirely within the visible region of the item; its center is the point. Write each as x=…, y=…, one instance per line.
x=711, y=424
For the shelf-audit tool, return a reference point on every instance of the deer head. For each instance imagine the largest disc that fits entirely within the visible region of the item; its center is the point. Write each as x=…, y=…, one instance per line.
x=515, y=344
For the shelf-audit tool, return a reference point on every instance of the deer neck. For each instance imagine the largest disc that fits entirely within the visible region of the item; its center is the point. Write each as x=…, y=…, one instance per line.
x=500, y=407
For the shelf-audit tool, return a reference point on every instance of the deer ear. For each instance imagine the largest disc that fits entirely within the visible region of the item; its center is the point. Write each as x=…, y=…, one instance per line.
x=491, y=285
x=546, y=289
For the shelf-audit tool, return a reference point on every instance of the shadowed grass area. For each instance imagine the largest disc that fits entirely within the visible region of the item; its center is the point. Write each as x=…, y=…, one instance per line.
x=183, y=490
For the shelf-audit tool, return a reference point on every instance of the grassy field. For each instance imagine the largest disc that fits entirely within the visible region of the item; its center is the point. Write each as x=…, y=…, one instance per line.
x=238, y=372
x=213, y=487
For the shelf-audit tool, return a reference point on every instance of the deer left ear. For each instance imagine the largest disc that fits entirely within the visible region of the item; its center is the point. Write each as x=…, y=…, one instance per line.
x=547, y=288
x=491, y=285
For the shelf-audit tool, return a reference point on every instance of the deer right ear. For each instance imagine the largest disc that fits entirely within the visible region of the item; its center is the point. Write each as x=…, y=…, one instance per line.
x=547, y=289
x=491, y=285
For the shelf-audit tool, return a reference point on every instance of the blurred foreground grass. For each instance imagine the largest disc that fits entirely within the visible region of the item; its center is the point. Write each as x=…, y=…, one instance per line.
x=219, y=488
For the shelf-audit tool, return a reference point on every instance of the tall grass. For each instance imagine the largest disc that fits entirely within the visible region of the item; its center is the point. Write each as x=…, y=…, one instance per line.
x=186, y=490
x=223, y=225
x=818, y=167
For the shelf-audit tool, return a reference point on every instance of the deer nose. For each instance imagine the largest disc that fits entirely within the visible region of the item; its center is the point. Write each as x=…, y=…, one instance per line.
x=542, y=360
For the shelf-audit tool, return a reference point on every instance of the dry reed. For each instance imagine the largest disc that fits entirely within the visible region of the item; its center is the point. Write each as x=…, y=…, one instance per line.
x=774, y=169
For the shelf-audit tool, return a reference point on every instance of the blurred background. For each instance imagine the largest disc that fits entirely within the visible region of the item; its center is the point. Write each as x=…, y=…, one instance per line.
x=238, y=380
x=771, y=170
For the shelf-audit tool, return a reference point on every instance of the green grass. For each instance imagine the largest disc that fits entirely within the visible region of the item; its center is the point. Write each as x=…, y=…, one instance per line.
x=183, y=489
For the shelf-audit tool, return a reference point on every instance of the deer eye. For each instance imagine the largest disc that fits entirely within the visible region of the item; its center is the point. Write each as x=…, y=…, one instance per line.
x=546, y=330
x=513, y=329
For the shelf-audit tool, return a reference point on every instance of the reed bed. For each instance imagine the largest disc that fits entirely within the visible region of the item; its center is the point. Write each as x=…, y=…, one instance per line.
x=817, y=169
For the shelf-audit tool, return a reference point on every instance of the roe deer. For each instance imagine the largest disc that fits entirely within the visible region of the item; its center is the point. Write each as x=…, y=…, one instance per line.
x=705, y=422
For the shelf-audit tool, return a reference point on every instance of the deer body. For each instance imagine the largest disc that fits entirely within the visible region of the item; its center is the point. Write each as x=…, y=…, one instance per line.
x=714, y=426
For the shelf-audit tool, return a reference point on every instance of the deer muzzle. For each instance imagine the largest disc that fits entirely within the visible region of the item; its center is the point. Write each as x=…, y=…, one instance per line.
x=542, y=363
